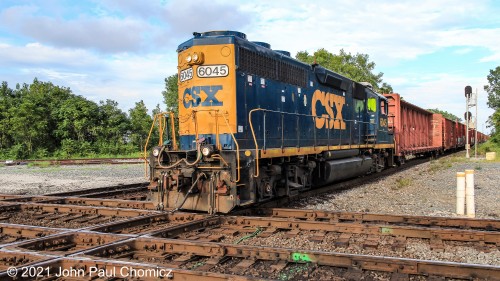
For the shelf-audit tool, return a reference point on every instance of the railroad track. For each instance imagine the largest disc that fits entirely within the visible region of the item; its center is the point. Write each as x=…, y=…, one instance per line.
x=111, y=228
x=83, y=161
x=69, y=231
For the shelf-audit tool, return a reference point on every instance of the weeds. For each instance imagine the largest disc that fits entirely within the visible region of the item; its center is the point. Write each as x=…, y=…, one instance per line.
x=402, y=183
x=39, y=164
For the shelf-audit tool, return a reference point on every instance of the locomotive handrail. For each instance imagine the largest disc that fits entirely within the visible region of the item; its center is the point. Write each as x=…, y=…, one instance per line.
x=161, y=127
x=282, y=113
x=256, y=174
x=237, y=148
x=217, y=139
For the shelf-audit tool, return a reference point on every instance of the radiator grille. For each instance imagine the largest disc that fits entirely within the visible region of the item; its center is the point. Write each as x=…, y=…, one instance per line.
x=270, y=68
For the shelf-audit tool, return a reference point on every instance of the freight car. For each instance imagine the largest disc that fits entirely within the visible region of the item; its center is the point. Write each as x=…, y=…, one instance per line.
x=255, y=124
x=416, y=131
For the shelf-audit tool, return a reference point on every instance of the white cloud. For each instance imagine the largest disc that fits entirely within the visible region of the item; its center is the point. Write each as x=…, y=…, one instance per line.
x=123, y=50
x=106, y=34
x=389, y=31
x=125, y=78
x=35, y=53
x=446, y=92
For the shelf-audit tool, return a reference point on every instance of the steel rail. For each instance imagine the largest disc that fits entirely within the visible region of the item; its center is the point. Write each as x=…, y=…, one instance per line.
x=286, y=224
x=111, y=203
x=337, y=216
x=81, y=161
x=13, y=232
x=85, y=269
x=81, y=193
x=217, y=252
x=148, y=224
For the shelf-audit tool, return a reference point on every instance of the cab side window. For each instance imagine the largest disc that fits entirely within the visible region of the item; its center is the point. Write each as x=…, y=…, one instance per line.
x=371, y=105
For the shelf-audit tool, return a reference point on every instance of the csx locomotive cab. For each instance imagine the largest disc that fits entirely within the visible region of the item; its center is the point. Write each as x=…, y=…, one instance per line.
x=254, y=124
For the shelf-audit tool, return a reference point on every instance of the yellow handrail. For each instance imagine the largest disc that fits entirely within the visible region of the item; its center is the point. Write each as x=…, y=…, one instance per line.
x=146, y=148
x=237, y=148
x=161, y=129
x=256, y=175
x=162, y=126
x=172, y=125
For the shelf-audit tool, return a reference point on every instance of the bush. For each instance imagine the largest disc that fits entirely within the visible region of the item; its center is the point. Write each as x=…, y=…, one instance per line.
x=488, y=146
x=18, y=151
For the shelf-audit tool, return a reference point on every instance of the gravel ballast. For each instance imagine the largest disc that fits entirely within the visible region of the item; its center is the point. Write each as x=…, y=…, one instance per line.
x=37, y=181
x=428, y=189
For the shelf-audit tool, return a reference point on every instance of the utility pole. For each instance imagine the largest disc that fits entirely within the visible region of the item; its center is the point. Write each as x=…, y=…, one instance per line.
x=475, y=127
x=468, y=92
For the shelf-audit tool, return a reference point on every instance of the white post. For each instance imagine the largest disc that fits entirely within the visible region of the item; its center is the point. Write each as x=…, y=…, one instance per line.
x=460, y=193
x=467, y=147
x=469, y=193
x=475, y=127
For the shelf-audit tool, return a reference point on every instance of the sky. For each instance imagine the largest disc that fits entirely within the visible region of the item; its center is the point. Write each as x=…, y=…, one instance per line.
x=123, y=49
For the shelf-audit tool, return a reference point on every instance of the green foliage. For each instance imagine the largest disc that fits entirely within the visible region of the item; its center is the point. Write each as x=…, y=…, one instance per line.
x=402, y=183
x=42, y=120
x=171, y=99
x=357, y=67
x=140, y=124
x=488, y=146
x=170, y=95
x=39, y=164
x=493, y=90
x=445, y=114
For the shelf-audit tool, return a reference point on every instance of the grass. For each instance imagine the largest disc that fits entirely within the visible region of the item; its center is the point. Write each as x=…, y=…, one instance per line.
x=488, y=146
x=402, y=183
x=41, y=164
x=446, y=162
x=294, y=271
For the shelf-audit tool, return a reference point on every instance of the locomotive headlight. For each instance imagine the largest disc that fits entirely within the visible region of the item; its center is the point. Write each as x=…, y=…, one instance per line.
x=156, y=151
x=197, y=58
x=207, y=150
x=189, y=58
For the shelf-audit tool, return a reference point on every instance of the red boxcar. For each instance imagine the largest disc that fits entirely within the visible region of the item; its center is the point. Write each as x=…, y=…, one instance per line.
x=461, y=128
x=414, y=128
x=437, y=130
x=450, y=134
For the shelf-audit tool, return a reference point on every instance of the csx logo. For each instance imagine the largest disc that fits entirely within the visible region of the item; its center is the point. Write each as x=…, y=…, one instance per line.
x=328, y=102
x=193, y=96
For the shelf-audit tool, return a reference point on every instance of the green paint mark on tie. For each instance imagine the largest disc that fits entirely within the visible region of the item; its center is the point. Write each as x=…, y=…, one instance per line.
x=386, y=230
x=299, y=257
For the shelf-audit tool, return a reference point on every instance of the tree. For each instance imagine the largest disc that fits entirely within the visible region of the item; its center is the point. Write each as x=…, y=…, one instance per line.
x=6, y=100
x=170, y=95
x=171, y=99
x=493, y=90
x=446, y=114
x=357, y=67
x=42, y=119
x=78, y=126
x=113, y=128
x=140, y=124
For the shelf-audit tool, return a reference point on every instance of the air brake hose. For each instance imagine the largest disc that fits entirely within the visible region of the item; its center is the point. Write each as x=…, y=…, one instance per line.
x=188, y=192
x=198, y=158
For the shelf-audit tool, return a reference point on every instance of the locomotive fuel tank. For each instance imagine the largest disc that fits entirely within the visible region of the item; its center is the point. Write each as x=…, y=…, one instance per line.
x=341, y=169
